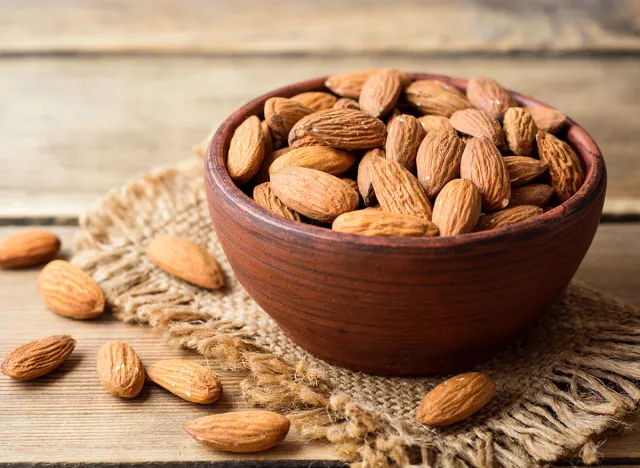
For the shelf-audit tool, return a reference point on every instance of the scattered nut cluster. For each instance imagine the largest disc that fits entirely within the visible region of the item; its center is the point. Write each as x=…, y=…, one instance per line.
x=380, y=154
x=68, y=291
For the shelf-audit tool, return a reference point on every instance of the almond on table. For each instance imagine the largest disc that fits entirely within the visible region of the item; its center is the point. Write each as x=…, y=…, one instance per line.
x=240, y=431
x=37, y=358
x=27, y=248
x=186, y=379
x=68, y=291
x=120, y=369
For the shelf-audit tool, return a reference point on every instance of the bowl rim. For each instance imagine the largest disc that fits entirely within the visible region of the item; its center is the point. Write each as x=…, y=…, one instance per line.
x=217, y=178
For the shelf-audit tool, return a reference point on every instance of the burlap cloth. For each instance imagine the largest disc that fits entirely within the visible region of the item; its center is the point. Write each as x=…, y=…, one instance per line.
x=573, y=375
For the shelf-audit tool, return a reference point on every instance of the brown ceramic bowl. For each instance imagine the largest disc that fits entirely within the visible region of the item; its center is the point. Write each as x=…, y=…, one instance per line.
x=401, y=306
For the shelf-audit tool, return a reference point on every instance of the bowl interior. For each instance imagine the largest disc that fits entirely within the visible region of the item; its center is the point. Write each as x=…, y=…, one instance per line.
x=575, y=135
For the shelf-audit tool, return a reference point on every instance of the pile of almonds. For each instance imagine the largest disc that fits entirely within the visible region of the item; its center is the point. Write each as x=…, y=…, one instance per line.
x=68, y=291
x=381, y=154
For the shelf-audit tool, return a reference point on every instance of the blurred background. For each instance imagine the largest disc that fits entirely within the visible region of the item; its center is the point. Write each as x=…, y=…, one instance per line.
x=95, y=92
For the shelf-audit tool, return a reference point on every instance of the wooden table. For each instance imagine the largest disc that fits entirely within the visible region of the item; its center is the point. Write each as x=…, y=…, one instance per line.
x=93, y=93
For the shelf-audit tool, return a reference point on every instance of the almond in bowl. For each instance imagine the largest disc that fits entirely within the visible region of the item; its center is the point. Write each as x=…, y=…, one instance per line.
x=471, y=210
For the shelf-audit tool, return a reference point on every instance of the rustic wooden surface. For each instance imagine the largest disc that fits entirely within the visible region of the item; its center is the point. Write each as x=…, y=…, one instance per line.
x=68, y=417
x=330, y=26
x=73, y=127
x=96, y=92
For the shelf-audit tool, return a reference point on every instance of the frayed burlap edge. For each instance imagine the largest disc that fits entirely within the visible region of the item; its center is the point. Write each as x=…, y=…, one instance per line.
x=572, y=406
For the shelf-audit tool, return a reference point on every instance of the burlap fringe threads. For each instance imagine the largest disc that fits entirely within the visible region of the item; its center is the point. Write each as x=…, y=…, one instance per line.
x=588, y=392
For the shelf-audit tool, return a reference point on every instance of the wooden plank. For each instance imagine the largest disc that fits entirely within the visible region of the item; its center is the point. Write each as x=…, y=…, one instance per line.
x=70, y=414
x=333, y=26
x=74, y=127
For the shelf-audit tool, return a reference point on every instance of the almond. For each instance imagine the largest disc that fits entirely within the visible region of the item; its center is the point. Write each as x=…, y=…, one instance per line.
x=239, y=432
x=365, y=186
x=457, y=208
x=455, y=399
x=547, y=119
x=341, y=128
x=188, y=261
x=69, y=291
x=314, y=194
x=282, y=114
x=267, y=139
x=264, y=196
x=186, y=379
x=120, y=369
x=403, y=140
x=507, y=217
x=38, y=358
x=520, y=130
x=478, y=123
x=435, y=122
x=350, y=84
x=382, y=223
x=488, y=95
x=28, y=248
x=532, y=194
x=397, y=190
x=432, y=97
x=316, y=100
x=565, y=169
x=380, y=92
x=438, y=160
x=523, y=169
x=483, y=165
x=346, y=103
x=322, y=158
x=246, y=151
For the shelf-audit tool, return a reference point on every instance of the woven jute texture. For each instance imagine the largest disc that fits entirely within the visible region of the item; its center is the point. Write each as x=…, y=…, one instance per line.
x=566, y=380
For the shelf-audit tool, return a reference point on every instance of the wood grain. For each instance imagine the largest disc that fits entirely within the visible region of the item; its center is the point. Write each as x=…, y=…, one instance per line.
x=101, y=428
x=71, y=414
x=74, y=127
x=290, y=26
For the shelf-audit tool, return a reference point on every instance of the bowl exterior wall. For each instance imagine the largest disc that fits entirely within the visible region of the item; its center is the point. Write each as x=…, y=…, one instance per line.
x=401, y=307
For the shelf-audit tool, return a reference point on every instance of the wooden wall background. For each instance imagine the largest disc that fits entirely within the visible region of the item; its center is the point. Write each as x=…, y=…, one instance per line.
x=94, y=92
